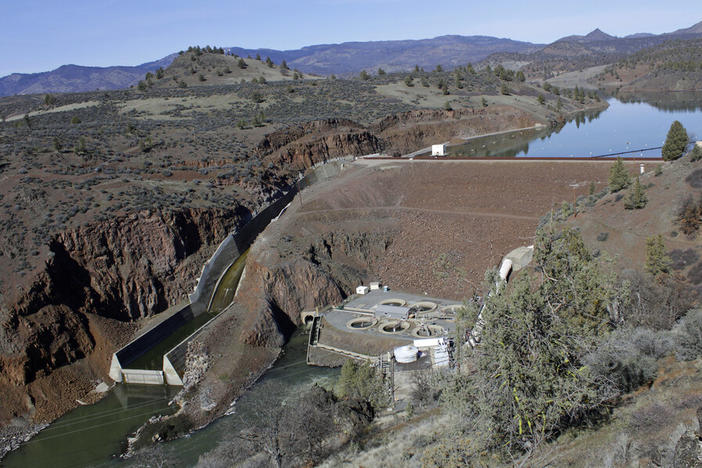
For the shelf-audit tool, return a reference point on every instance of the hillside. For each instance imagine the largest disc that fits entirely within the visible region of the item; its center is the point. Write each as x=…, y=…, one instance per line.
x=672, y=66
x=597, y=48
x=76, y=78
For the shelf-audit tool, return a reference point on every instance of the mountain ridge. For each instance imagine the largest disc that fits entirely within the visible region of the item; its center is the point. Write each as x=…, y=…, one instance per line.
x=348, y=58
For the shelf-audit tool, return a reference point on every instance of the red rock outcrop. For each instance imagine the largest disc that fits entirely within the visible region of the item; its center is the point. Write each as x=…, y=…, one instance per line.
x=302, y=146
x=123, y=269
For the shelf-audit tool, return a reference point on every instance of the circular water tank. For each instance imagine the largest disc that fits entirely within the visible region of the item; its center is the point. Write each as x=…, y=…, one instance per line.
x=406, y=354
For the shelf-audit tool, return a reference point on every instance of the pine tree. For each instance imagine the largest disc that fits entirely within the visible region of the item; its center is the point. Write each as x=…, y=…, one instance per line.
x=637, y=197
x=618, y=176
x=675, y=142
x=364, y=75
x=657, y=260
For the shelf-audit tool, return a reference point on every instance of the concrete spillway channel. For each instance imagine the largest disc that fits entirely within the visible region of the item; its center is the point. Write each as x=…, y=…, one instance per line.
x=157, y=356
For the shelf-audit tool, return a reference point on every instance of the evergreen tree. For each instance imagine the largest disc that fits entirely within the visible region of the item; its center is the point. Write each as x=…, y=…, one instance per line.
x=284, y=65
x=520, y=76
x=541, y=99
x=269, y=62
x=531, y=381
x=657, y=260
x=618, y=176
x=675, y=142
x=381, y=72
x=241, y=64
x=364, y=75
x=637, y=197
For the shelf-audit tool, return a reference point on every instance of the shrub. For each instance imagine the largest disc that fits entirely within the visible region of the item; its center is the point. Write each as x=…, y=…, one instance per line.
x=360, y=381
x=689, y=216
x=688, y=336
x=655, y=303
x=696, y=153
x=530, y=382
x=627, y=358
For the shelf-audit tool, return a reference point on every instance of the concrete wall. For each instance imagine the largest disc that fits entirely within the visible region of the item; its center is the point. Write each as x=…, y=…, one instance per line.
x=139, y=376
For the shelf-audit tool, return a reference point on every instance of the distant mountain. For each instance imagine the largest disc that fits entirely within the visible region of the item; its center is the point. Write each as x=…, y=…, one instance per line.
x=352, y=57
x=638, y=35
x=76, y=78
x=694, y=29
x=595, y=36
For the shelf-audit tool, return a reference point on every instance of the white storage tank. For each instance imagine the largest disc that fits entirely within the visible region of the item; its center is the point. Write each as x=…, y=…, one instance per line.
x=406, y=354
x=362, y=290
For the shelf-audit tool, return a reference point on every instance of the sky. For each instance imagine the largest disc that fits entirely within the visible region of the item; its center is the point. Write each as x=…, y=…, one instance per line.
x=41, y=35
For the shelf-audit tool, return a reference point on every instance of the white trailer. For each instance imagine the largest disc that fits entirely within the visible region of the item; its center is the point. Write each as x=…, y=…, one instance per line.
x=438, y=150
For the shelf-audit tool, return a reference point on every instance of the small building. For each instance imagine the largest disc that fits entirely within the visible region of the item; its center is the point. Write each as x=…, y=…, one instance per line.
x=699, y=144
x=438, y=150
x=374, y=285
x=362, y=290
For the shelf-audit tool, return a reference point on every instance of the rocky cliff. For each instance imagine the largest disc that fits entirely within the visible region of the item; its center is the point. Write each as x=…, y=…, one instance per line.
x=122, y=269
x=301, y=146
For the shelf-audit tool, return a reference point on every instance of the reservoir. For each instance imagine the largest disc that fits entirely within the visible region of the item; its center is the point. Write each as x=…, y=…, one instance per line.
x=623, y=127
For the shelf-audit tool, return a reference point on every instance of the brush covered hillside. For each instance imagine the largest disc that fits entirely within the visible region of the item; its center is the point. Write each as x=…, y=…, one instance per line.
x=113, y=200
x=592, y=357
x=671, y=66
x=206, y=66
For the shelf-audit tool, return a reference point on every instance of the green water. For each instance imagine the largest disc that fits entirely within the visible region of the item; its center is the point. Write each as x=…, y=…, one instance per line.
x=153, y=359
x=223, y=296
x=289, y=377
x=93, y=434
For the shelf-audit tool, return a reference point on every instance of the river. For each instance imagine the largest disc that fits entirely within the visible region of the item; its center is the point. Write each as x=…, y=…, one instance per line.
x=92, y=435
